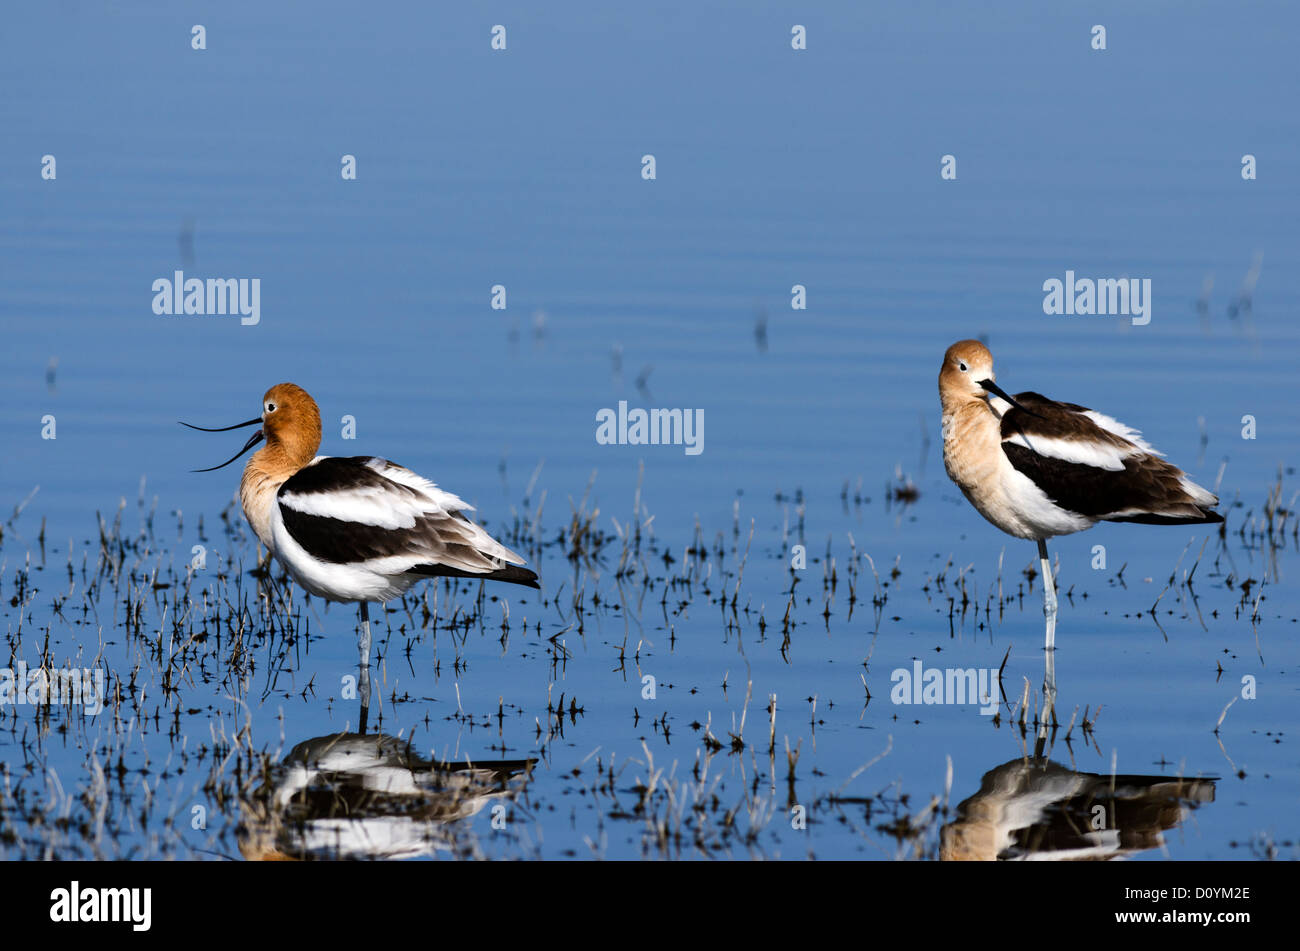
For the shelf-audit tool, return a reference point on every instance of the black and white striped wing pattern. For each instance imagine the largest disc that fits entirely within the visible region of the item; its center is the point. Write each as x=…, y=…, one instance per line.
x=367, y=511
x=1093, y=465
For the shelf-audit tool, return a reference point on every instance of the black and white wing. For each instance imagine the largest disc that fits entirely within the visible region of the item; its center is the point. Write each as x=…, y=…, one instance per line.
x=1088, y=463
x=366, y=510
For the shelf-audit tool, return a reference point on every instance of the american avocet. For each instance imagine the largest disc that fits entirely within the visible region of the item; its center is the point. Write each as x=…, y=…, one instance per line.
x=1037, y=468
x=355, y=528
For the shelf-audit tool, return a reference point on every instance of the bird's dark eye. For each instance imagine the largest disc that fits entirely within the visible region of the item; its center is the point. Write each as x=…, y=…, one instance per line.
x=270, y=407
x=962, y=366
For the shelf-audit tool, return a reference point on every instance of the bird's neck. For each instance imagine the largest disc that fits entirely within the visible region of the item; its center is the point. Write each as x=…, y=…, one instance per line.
x=966, y=413
x=972, y=434
x=268, y=469
x=279, y=459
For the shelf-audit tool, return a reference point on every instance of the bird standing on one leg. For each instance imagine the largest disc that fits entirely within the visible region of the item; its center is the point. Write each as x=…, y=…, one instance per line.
x=1037, y=468
x=355, y=528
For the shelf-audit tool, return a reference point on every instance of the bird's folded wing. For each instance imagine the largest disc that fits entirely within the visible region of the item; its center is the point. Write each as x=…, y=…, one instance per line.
x=362, y=508
x=1091, y=464
x=1071, y=433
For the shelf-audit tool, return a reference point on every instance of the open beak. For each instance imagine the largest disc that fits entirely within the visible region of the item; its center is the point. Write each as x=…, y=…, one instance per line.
x=996, y=390
x=253, y=441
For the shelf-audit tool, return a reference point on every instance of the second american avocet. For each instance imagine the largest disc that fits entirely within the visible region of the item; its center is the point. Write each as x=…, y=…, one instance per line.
x=355, y=528
x=1037, y=468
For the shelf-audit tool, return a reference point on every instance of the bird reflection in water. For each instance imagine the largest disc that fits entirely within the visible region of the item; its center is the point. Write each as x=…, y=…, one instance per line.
x=1034, y=809
x=355, y=796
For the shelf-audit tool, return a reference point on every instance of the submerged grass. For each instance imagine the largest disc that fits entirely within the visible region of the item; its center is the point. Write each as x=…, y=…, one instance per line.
x=212, y=661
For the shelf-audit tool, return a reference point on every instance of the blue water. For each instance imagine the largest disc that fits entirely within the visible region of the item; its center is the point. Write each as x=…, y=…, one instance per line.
x=774, y=167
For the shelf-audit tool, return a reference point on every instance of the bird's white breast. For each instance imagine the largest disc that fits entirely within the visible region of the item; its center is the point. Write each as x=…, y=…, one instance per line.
x=973, y=456
x=372, y=580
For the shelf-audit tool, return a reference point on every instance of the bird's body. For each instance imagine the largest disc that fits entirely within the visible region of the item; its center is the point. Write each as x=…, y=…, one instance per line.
x=356, y=528
x=361, y=528
x=1037, y=468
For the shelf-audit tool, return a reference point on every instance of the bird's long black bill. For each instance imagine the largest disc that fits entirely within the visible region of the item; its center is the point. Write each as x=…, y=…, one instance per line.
x=256, y=438
x=998, y=391
x=222, y=429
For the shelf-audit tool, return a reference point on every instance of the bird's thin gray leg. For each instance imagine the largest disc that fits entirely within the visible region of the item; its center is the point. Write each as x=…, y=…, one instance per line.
x=1049, y=595
x=363, y=647
x=1047, y=722
x=1049, y=673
